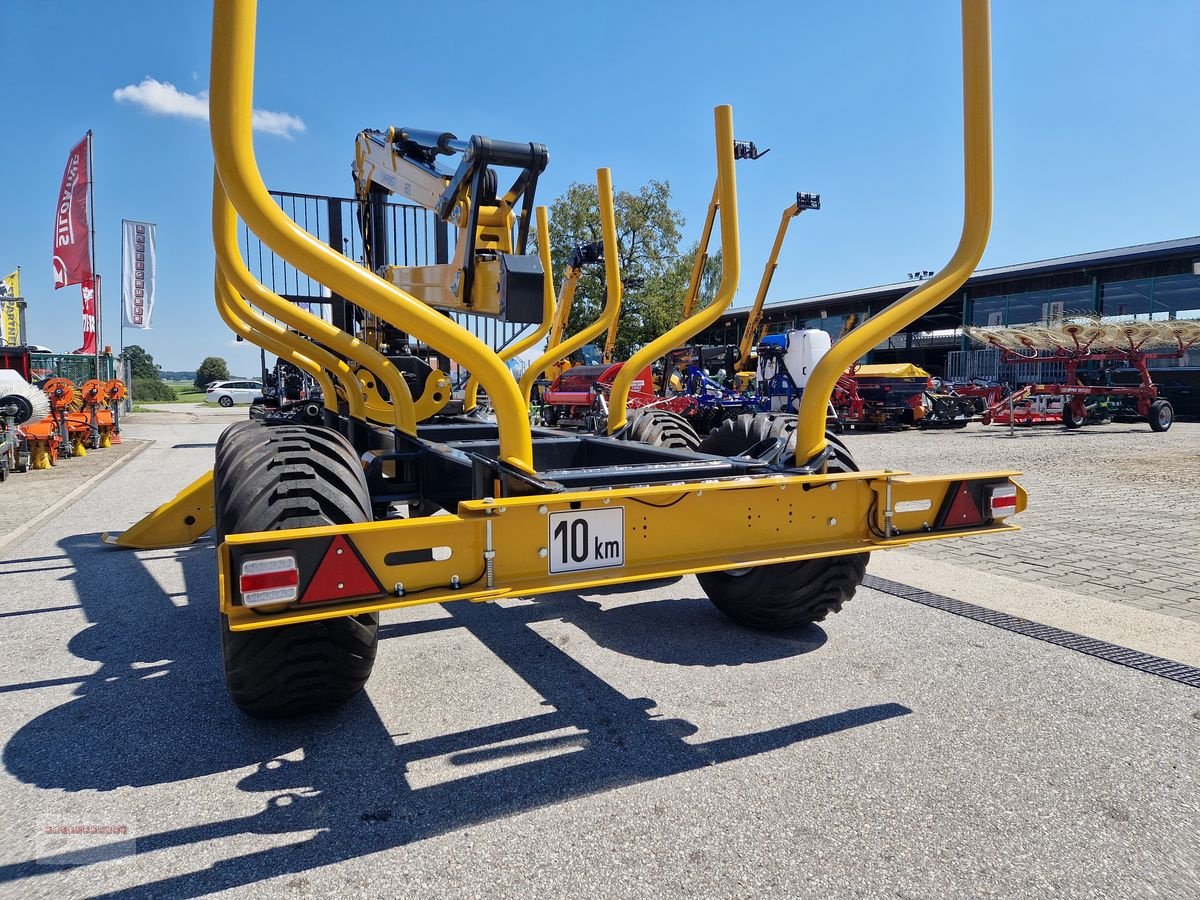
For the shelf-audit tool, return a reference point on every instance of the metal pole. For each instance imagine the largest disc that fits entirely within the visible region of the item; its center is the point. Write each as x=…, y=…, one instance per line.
x=92, y=250
x=1011, y=423
x=122, y=353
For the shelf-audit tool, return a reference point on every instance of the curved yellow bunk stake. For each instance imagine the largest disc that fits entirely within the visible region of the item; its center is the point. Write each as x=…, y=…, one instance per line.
x=612, y=301
x=233, y=283
x=230, y=259
x=730, y=271
x=977, y=222
x=231, y=110
x=252, y=325
x=519, y=347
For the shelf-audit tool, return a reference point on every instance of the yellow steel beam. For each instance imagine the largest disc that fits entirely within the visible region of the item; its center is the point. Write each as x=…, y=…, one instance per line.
x=176, y=523
x=977, y=221
x=234, y=282
x=693, y=291
x=730, y=271
x=349, y=347
x=507, y=547
x=258, y=329
x=231, y=111
x=518, y=347
x=612, y=303
x=562, y=315
x=754, y=317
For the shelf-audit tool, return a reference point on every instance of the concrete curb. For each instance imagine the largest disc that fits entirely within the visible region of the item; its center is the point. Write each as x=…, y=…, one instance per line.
x=47, y=513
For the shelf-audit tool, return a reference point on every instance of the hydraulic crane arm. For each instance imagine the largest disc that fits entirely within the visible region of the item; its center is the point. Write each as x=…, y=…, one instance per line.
x=754, y=320
x=491, y=272
x=582, y=255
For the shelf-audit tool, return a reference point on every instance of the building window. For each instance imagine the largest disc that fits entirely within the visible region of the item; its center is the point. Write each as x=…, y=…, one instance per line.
x=1176, y=297
x=1130, y=299
x=1074, y=301
x=989, y=311
x=1031, y=307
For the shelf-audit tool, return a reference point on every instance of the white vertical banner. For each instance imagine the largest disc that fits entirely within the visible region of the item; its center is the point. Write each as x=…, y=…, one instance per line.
x=138, y=258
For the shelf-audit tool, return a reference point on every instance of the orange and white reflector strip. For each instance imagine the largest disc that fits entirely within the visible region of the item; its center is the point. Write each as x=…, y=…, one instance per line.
x=1001, y=500
x=274, y=579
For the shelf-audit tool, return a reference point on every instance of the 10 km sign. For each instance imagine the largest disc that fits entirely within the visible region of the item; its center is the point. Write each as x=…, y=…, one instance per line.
x=587, y=539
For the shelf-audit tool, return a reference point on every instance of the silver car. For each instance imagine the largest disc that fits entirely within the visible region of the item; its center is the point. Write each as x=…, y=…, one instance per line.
x=227, y=393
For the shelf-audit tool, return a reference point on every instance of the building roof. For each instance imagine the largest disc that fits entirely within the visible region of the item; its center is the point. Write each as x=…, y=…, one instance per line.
x=1189, y=246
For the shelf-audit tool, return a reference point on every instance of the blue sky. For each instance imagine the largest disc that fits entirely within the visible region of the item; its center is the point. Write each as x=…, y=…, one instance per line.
x=1096, y=123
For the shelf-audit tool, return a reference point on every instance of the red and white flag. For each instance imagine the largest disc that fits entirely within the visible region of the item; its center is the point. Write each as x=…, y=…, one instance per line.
x=72, y=260
x=89, y=316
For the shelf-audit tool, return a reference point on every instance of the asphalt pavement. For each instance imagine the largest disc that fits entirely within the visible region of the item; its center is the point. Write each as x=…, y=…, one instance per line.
x=605, y=744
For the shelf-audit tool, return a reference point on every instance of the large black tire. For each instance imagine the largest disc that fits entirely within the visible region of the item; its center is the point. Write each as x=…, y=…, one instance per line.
x=1071, y=419
x=788, y=595
x=660, y=428
x=270, y=476
x=1162, y=415
x=735, y=436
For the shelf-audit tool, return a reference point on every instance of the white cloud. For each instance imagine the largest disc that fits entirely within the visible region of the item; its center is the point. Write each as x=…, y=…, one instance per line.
x=164, y=99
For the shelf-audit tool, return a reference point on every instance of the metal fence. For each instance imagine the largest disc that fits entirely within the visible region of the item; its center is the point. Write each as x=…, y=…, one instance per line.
x=78, y=368
x=966, y=365
x=413, y=236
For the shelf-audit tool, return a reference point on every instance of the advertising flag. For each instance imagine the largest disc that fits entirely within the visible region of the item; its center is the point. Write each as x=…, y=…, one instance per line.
x=89, y=315
x=72, y=259
x=10, y=285
x=139, y=254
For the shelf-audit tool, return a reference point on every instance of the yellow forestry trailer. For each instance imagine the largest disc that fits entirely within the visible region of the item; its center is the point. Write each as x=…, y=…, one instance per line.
x=383, y=502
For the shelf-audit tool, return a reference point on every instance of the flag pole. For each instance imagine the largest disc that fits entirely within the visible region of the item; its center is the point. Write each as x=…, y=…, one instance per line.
x=122, y=304
x=98, y=302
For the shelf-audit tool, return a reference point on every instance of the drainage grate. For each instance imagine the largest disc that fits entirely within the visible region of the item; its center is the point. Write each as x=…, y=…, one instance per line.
x=1114, y=653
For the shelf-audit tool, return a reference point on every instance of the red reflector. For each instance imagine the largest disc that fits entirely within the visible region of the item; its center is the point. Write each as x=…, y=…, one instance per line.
x=265, y=581
x=963, y=509
x=342, y=575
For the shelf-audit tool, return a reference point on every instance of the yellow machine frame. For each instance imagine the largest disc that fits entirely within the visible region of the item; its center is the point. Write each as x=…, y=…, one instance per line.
x=499, y=546
x=556, y=353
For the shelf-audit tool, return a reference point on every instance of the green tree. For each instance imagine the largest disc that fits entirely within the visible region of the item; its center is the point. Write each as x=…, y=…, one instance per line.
x=648, y=235
x=142, y=363
x=212, y=369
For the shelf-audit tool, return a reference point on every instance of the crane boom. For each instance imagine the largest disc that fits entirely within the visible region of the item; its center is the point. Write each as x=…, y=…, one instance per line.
x=754, y=318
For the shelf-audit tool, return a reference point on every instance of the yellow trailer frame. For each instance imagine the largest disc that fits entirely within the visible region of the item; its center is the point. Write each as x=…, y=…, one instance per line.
x=500, y=547
x=506, y=545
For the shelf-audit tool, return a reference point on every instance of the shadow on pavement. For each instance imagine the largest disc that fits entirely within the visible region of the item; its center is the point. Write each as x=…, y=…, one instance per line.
x=156, y=712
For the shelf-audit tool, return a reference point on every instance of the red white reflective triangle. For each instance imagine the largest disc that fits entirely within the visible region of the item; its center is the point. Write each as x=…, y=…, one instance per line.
x=342, y=575
x=1002, y=500
x=274, y=579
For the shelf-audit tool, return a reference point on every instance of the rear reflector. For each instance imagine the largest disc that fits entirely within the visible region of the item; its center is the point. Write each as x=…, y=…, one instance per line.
x=342, y=575
x=961, y=511
x=1001, y=500
x=274, y=579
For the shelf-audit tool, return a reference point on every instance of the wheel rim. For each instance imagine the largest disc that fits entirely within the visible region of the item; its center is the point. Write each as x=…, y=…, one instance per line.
x=1164, y=416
